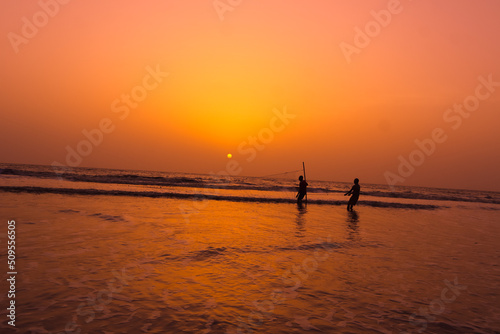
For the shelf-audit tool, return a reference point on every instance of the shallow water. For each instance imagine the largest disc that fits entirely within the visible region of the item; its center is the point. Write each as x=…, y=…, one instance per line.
x=133, y=264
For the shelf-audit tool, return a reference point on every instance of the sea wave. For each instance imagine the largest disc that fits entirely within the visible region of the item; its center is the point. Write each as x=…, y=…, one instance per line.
x=211, y=252
x=154, y=194
x=434, y=197
x=184, y=180
x=107, y=178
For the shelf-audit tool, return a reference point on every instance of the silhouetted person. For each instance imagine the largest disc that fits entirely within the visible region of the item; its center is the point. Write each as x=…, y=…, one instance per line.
x=302, y=189
x=355, y=195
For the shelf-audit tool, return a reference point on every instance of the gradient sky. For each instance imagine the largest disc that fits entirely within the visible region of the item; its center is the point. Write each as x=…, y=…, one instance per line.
x=225, y=78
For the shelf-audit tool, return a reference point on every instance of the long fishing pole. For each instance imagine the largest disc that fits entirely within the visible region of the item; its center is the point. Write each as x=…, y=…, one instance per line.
x=304, y=169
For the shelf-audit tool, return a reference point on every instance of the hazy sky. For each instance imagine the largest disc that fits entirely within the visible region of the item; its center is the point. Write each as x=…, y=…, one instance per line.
x=346, y=86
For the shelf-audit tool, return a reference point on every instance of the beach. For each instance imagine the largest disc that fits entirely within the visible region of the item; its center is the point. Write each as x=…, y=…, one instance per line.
x=119, y=263
x=234, y=167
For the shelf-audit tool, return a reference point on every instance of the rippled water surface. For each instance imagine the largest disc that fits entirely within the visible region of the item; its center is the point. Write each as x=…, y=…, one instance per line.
x=136, y=264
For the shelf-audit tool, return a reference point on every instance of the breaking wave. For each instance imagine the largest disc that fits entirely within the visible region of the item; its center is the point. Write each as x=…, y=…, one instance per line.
x=155, y=194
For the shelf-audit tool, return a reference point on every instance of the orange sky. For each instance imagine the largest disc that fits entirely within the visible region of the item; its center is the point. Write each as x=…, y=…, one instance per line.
x=355, y=114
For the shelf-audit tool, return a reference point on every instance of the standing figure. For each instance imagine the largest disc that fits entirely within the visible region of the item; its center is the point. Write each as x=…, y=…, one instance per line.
x=302, y=189
x=355, y=194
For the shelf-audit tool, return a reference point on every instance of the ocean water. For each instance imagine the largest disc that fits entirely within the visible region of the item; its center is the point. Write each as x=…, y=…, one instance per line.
x=120, y=251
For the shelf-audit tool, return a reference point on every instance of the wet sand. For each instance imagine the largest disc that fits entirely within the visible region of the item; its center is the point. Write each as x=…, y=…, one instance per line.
x=111, y=264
